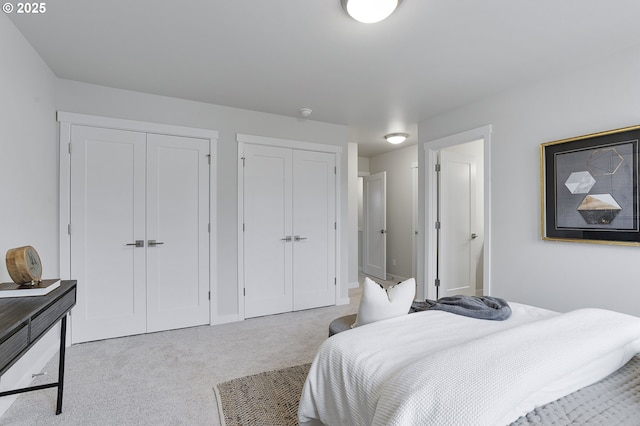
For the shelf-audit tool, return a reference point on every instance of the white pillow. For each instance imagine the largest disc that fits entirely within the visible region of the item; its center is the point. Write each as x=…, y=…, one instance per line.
x=377, y=303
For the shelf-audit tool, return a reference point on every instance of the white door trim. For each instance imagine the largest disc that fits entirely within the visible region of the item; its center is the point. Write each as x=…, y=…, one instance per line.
x=243, y=139
x=134, y=125
x=287, y=143
x=431, y=149
x=67, y=119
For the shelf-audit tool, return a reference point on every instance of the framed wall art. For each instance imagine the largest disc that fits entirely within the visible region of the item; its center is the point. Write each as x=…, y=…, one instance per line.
x=589, y=187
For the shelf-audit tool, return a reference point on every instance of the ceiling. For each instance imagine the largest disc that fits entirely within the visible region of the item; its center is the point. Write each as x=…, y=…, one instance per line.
x=278, y=56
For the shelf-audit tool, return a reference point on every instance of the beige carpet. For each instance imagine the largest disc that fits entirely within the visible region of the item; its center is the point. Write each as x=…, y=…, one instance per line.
x=269, y=398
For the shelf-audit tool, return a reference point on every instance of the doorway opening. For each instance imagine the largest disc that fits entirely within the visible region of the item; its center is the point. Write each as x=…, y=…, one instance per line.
x=457, y=215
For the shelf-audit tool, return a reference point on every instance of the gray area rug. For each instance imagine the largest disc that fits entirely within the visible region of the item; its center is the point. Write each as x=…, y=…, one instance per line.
x=269, y=398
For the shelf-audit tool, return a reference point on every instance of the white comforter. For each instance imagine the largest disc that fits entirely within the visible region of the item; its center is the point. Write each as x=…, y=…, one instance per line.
x=437, y=368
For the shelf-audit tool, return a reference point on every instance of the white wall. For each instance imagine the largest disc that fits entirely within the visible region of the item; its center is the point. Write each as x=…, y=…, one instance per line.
x=363, y=164
x=28, y=164
x=556, y=275
x=28, y=176
x=97, y=100
x=397, y=164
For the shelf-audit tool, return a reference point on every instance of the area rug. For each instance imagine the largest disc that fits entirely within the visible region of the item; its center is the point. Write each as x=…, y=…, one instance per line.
x=269, y=398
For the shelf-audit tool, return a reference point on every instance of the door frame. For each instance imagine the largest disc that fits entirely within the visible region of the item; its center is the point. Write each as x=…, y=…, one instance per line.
x=68, y=119
x=243, y=139
x=431, y=149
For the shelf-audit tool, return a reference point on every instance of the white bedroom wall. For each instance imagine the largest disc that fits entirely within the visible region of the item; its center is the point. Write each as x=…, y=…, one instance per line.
x=28, y=164
x=555, y=275
x=85, y=98
x=28, y=176
x=363, y=164
x=397, y=164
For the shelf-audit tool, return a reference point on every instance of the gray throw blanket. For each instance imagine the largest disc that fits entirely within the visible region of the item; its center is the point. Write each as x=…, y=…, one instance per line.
x=480, y=307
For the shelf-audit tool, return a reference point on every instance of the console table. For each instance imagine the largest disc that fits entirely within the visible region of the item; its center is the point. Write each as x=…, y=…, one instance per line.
x=24, y=320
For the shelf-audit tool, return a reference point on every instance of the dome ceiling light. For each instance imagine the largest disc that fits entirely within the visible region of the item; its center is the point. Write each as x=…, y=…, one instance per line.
x=305, y=112
x=369, y=11
x=396, y=138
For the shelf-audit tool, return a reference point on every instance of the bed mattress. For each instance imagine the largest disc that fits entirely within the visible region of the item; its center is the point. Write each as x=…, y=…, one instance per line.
x=443, y=369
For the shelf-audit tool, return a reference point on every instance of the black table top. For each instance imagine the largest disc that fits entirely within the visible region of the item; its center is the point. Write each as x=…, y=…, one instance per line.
x=14, y=311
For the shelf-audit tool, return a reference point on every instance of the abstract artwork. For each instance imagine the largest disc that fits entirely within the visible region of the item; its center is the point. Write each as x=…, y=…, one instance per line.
x=590, y=188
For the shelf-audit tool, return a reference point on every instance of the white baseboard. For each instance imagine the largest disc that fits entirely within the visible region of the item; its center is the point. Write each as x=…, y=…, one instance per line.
x=354, y=284
x=396, y=278
x=225, y=319
x=343, y=301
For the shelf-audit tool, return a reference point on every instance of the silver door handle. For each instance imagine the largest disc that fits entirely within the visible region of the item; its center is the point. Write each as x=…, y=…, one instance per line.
x=299, y=238
x=153, y=243
x=287, y=238
x=138, y=243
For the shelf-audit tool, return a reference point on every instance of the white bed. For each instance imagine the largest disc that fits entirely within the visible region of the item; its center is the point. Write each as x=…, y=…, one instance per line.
x=437, y=368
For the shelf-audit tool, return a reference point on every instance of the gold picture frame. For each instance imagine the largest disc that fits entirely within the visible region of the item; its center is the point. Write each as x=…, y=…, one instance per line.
x=589, y=188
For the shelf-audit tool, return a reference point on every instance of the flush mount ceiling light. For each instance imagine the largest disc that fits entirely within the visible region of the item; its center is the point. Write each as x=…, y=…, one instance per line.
x=305, y=112
x=396, y=138
x=369, y=11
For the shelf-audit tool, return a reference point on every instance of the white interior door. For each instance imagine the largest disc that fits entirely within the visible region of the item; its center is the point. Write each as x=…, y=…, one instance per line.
x=314, y=233
x=375, y=225
x=177, y=232
x=457, y=269
x=268, y=236
x=107, y=218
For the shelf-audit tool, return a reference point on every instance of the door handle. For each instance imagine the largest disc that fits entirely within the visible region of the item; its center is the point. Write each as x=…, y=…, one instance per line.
x=138, y=243
x=153, y=243
x=298, y=238
x=474, y=236
x=287, y=238
x=383, y=231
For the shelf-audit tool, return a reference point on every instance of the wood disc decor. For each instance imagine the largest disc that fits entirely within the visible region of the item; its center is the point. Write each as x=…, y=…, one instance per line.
x=23, y=264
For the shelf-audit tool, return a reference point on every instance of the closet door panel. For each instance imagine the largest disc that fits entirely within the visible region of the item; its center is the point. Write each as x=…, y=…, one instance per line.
x=267, y=224
x=107, y=217
x=314, y=231
x=177, y=232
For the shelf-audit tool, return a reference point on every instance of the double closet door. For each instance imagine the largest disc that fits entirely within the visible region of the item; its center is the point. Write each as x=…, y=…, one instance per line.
x=289, y=229
x=139, y=232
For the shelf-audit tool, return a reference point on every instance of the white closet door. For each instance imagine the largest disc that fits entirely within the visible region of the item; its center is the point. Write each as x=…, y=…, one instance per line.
x=107, y=217
x=314, y=239
x=177, y=232
x=267, y=232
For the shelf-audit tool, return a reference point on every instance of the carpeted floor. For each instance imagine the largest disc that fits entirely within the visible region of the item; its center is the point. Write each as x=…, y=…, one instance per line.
x=166, y=378
x=269, y=398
